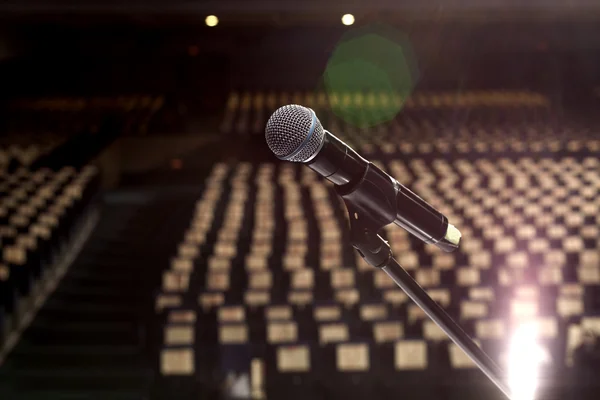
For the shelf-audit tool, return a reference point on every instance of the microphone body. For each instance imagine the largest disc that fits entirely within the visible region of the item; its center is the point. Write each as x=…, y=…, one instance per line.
x=294, y=133
x=389, y=200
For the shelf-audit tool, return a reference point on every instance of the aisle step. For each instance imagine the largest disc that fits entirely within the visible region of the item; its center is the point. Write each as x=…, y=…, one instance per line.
x=75, y=337
x=108, y=274
x=62, y=314
x=90, y=307
x=108, y=394
x=103, y=295
x=89, y=379
x=80, y=356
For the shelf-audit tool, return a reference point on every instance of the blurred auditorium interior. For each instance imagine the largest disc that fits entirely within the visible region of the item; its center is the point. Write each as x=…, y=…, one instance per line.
x=154, y=248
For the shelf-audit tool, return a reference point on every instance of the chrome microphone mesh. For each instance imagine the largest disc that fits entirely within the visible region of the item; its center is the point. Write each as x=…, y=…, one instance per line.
x=294, y=133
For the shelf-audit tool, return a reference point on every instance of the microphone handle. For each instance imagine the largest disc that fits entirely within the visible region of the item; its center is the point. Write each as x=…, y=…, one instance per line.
x=388, y=200
x=422, y=220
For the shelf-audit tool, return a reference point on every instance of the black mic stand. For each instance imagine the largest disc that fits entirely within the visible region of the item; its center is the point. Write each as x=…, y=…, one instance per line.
x=364, y=228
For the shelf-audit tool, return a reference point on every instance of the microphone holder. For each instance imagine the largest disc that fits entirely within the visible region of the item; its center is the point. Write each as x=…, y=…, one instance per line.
x=364, y=228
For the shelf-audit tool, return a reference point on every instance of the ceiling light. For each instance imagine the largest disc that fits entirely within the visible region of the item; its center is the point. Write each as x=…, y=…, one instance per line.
x=211, y=20
x=347, y=19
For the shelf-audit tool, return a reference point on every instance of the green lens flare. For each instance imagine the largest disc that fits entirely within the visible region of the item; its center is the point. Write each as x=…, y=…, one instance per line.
x=370, y=74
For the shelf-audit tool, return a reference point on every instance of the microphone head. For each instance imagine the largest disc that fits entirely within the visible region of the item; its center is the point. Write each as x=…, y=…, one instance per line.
x=294, y=133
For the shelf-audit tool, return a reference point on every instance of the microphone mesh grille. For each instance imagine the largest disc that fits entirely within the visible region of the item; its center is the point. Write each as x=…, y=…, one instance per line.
x=287, y=130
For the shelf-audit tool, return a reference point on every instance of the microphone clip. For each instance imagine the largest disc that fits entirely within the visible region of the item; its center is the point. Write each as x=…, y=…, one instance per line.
x=370, y=202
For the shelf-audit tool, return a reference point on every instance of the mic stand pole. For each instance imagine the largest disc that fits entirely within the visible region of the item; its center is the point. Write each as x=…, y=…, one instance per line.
x=377, y=252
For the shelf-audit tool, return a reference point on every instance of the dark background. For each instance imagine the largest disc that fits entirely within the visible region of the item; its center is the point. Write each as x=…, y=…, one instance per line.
x=108, y=48
x=163, y=50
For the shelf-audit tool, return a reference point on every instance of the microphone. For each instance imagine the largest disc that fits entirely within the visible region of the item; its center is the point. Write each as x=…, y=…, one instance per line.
x=294, y=133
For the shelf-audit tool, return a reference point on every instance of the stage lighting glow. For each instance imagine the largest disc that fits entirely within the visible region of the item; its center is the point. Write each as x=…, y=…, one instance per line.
x=211, y=20
x=524, y=360
x=347, y=19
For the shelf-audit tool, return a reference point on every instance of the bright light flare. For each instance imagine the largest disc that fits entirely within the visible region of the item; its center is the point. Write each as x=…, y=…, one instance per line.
x=524, y=360
x=347, y=19
x=211, y=20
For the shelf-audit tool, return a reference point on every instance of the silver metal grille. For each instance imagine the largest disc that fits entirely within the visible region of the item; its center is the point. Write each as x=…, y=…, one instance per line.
x=287, y=133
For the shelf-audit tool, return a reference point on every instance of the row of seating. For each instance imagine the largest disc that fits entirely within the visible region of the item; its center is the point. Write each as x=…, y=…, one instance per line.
x=460, y=147
x=34, y=122
x=374, y=323
x=303, y=357
x=34, y=128
x=370, y=100
x=365, y=118
x=15, y=156
x=80, y=104
x=30, y=136
x=39, y=211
